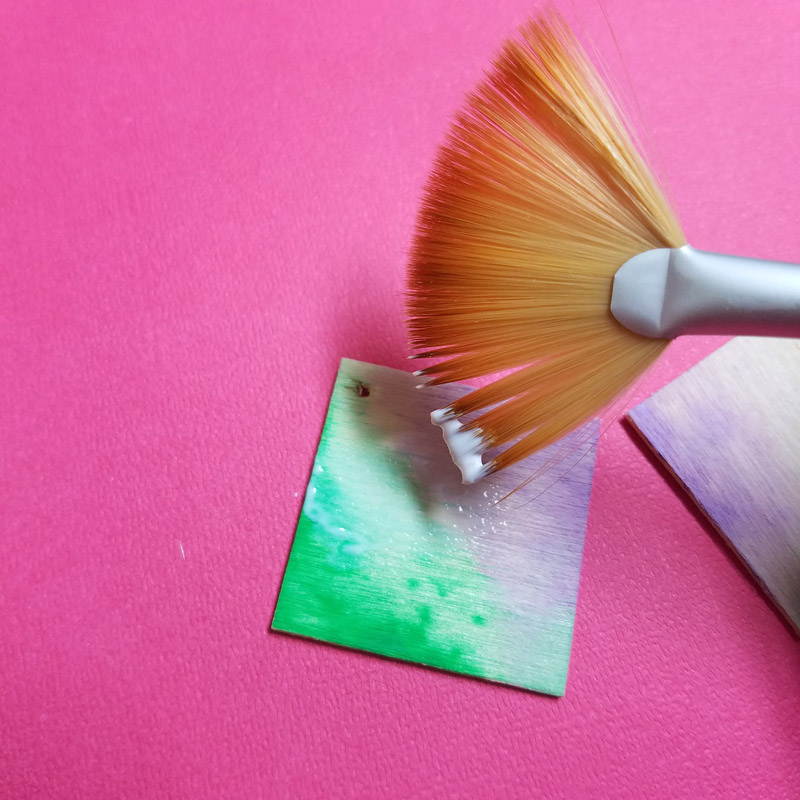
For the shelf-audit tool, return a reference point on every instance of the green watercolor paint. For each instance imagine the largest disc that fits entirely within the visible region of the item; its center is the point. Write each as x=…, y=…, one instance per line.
x=393, y=555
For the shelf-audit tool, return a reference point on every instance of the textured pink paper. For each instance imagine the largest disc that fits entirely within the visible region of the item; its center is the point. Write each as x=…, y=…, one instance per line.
x=203, y=206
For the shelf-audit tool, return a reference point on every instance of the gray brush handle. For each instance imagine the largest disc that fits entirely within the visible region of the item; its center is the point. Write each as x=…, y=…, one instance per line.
x=667, y=292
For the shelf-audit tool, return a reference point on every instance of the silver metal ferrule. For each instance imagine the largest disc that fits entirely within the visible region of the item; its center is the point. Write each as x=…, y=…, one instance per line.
x=667, y=292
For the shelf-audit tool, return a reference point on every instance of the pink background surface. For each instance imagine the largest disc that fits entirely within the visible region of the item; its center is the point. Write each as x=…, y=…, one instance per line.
x=202, y=207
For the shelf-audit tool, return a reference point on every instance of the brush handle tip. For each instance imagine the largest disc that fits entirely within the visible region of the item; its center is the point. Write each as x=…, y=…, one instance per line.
x=664, y=293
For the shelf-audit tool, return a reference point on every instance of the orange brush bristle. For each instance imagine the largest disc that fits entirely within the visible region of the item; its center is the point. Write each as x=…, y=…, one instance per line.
x=536, y=198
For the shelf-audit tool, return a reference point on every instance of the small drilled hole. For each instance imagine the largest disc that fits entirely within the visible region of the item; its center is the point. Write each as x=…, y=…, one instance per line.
x=361, y=389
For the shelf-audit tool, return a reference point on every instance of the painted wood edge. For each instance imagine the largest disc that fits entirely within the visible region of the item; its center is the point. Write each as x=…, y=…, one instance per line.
x=793, y=625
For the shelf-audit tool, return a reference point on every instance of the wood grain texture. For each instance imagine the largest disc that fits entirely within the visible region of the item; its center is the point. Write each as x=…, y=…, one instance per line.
x=392, y=554
x=729, y=430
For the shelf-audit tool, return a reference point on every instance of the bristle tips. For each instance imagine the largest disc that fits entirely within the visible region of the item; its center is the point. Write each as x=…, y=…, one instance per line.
x=442, y=415
x=466, y=446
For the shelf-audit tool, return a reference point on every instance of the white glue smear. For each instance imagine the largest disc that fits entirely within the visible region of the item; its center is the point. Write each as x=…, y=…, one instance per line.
x=466, y=447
